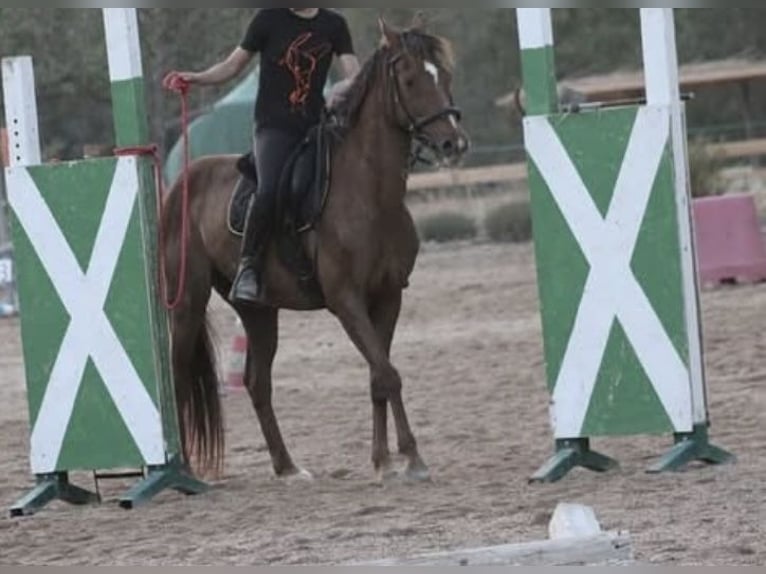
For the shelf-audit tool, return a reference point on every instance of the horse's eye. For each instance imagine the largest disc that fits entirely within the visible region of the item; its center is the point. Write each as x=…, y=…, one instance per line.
x=409, y=82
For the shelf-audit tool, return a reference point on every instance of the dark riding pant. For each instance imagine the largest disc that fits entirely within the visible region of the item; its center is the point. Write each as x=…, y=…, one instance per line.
x=272, y=150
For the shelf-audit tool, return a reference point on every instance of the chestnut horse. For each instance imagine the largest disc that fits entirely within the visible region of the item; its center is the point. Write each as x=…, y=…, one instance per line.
x=365, y=247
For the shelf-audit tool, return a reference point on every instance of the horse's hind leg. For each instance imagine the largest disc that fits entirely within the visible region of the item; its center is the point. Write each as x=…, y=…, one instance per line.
x=262, y=327
x=372, y=331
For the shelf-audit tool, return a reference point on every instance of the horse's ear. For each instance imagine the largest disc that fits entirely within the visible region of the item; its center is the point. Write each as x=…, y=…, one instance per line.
x=419, y=21
x=389, y=36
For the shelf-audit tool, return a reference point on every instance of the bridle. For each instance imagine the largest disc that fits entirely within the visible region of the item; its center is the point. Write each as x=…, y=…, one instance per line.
x=415, y=126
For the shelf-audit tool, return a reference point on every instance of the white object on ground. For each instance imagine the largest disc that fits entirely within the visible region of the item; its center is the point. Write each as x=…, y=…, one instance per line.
x=573, y=521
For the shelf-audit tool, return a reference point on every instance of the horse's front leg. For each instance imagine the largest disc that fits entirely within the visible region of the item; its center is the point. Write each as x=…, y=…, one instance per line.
x=371, y=328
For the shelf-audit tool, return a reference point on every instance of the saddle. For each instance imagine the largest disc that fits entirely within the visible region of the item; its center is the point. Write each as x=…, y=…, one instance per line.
x=303, y=192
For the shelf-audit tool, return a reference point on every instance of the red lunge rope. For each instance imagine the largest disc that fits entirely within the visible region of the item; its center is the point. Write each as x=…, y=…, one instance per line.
x=182, y=89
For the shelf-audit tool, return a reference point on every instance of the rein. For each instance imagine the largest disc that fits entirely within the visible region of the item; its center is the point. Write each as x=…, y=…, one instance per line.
x=152, y=151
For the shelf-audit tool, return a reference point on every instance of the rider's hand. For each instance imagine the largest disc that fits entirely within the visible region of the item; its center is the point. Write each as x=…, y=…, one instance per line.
x=178, y=81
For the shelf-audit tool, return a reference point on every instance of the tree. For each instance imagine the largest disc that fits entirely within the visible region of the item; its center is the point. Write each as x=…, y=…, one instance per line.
x=73, y=90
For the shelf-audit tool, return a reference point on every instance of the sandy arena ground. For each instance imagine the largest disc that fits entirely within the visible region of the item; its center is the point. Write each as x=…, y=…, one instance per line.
x=469, y=348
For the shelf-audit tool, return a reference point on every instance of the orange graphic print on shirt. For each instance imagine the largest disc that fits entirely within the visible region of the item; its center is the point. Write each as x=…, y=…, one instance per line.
x=302, y=62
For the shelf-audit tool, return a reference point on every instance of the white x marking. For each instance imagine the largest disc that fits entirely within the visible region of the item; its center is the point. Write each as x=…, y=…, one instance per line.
x=612, y=291
x=90, y=334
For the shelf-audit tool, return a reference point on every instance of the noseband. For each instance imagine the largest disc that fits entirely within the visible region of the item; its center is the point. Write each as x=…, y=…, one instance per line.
x=416, y=126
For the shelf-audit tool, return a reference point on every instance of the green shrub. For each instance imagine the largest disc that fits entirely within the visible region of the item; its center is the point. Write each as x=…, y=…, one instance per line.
x=511, y=222
x=705, y=168
x=446, y=227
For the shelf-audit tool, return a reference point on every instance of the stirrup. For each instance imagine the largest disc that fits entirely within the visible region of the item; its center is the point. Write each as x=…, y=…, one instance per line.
x=247, y=286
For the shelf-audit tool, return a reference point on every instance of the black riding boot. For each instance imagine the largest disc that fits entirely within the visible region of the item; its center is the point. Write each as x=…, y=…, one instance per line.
x=248, y=285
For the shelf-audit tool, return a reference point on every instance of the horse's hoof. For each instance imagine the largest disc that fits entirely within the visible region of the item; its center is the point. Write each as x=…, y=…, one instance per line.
x=417, y=472
x=412, y=471
x=387, y=473
x=297, y=475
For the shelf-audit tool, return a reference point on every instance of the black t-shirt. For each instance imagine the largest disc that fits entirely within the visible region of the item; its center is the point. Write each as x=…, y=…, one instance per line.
x=296, y=55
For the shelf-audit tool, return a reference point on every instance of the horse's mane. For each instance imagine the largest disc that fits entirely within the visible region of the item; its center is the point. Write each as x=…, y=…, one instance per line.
x=418, y=43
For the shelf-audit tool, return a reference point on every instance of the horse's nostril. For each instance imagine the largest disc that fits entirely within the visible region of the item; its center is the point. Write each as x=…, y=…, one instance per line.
x=448, y=147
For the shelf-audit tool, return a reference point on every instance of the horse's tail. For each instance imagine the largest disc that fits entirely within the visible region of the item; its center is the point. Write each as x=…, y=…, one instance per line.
x=195, y=375
x=199, y=407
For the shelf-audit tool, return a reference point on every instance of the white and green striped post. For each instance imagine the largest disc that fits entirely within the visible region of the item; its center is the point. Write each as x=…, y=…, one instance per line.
x=127, y=76
x=663, y=90
x=538, y=60
x=131, y=126
x=615, y=259
x=94, y=331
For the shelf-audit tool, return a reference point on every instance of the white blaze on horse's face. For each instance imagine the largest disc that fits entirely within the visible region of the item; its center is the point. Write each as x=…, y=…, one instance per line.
x=433, y=70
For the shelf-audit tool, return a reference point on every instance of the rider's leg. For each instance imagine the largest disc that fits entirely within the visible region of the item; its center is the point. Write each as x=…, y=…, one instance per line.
x=272, y=149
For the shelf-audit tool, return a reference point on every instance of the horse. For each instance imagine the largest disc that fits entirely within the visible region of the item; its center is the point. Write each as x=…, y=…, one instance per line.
x=365, y=247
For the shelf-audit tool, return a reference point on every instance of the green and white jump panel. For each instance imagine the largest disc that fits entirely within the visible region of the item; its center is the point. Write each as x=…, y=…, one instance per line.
x=90, y=361
x=615, y=257
x=94, y=332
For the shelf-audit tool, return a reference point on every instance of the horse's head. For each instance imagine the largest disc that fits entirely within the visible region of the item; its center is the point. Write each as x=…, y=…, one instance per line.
x=419, y=68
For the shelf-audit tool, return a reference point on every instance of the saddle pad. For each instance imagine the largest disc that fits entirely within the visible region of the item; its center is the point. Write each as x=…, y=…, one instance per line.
x=240, y=199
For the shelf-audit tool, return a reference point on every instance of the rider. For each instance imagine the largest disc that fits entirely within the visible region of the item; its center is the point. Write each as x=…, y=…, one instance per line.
x=296, y=46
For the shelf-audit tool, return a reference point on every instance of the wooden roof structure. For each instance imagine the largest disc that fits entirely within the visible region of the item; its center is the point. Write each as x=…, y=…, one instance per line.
x=630, y=84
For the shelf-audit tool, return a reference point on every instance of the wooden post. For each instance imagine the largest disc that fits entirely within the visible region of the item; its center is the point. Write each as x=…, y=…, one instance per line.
x=21, y=112
x=663, y=88
x=612, y=548
x=538, y=61
x=5, y=152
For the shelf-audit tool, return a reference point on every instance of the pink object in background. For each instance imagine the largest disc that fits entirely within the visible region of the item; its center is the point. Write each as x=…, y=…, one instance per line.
x=236, y=363
x=730, y=246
